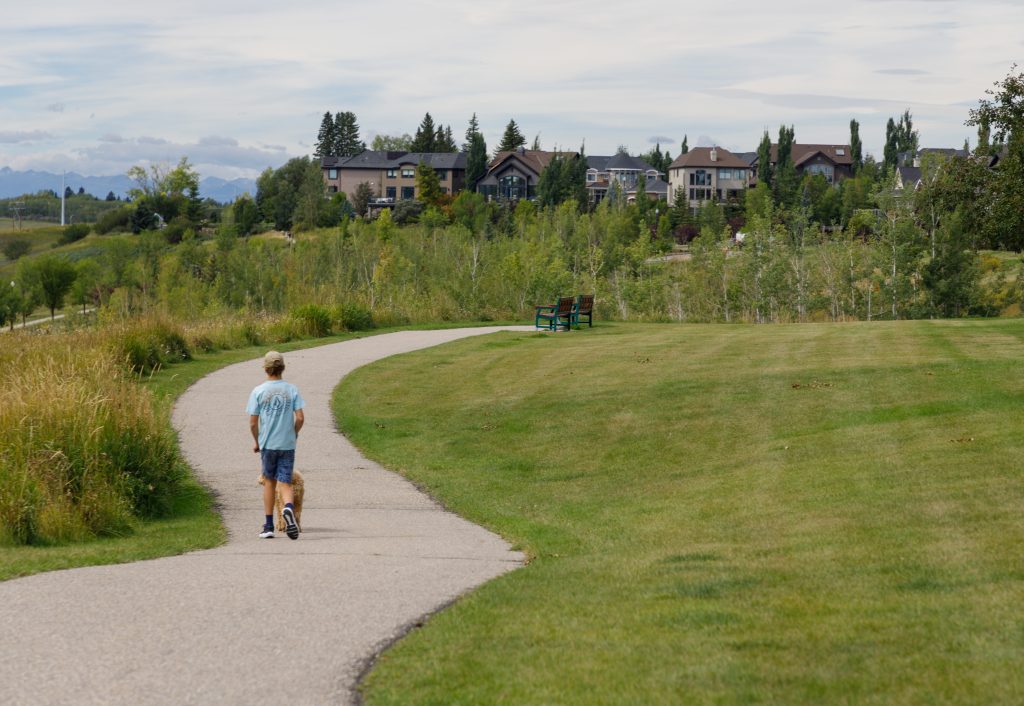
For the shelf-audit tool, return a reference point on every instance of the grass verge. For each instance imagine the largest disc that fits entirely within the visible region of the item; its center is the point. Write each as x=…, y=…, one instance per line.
x=739, y=515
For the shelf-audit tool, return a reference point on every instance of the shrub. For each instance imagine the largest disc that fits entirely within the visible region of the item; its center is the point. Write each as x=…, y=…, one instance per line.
x=117, y=220
x=13, y=249
x=74, y=233
x=353, y=317
x=311, y=321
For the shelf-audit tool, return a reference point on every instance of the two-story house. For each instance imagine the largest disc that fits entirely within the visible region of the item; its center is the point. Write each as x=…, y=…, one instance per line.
x=627, y=172
x=514, y=175
x=708, y=174
x=834, y=162
x=392, y=175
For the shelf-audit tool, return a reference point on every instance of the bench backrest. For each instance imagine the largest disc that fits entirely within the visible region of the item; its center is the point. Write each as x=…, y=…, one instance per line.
x=565, y=305
x=586, y=304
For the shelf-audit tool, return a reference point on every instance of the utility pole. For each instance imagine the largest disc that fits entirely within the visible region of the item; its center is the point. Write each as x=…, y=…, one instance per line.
x=17, y=207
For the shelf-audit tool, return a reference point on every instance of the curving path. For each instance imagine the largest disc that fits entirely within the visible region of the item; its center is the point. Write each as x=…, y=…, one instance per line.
x=255, y=621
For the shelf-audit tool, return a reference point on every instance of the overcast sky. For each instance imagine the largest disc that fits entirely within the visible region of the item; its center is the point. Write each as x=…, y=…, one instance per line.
x=240, y=86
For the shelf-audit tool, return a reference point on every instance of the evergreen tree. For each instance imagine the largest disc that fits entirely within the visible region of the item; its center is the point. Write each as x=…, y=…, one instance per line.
x=472, y=129
x=984, y=134
x=512, y=139
x=425, y=139
x=325, y=142
x=856, y=150
x=536, y=143
x=449, y=140
x=346, y=135
x=686, y=147
x=476, y=160
x=110, y=196
x=764, y=160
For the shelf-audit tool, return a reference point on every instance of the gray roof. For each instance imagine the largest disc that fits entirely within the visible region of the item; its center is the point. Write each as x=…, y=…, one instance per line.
x=909, y=175
x=372, y=159
x=748, y=157
x=618, y=161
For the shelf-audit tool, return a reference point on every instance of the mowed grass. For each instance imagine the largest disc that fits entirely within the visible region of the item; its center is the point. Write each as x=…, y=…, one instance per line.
x=810, y=514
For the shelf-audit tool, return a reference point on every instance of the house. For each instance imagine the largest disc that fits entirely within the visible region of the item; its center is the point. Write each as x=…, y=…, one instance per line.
x=392, y=175
x=514, y=175
x=627, y=172
x=834, y=162
x=908, y=178
x=708, y=174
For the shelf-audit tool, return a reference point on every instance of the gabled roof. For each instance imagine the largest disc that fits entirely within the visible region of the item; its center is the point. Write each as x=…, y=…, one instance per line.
x=944, y=151
x=535, y=160
x=909, y=176
x=802, y=153
x=701, y=157
x=376, y=159
x=653, y=186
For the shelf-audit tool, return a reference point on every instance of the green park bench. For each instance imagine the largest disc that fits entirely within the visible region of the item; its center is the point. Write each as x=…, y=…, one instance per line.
x=551, y=317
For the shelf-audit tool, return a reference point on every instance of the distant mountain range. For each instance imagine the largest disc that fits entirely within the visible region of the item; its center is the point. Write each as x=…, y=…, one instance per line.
x=14, y=183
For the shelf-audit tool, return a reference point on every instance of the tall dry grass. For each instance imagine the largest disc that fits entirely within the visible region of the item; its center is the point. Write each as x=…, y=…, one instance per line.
x=83, y=448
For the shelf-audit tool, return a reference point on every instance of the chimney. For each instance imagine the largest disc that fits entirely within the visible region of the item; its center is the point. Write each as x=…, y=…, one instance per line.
x=714, y=154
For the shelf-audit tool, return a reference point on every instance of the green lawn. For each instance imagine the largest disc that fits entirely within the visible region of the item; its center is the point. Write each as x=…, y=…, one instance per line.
x=809, y=514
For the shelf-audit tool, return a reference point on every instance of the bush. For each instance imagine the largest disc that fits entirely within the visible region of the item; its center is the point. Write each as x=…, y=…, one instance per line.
x=353, y=317
x=118, y=220
x=13, y=249
x=74, y=233
x=311, y=321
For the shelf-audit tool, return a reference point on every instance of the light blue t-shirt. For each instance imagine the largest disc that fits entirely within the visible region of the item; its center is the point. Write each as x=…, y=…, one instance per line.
x=275, y=402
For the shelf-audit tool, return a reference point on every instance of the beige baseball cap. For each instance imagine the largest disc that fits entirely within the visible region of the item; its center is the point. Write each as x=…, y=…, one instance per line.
x=272, y=359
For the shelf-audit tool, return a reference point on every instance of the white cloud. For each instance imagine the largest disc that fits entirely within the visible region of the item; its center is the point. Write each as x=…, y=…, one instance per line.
x=601, y=70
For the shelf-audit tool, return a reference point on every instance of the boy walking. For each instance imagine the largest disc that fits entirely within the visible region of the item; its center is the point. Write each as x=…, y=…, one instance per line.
x=275, y=418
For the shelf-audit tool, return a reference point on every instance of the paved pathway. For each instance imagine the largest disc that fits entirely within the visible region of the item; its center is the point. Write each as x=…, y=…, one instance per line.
x=255, y=621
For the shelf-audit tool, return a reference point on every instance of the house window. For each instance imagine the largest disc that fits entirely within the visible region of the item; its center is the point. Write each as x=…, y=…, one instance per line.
x=513, y=187
x=408, y=192
x=392, y=173
x=442, y=174
x=591, y=176
x=824, y=169
x=700, y=177
x=734, y=174
x=332, y=173
x=332, y=189
x=700, y=194
x=390, y=193
x=408, y=173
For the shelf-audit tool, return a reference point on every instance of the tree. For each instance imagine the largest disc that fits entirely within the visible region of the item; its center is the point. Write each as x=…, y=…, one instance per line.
x=764, y=160
x=856, y=150
x=685, y=147
x=907, y=137
x=447, y=141
x=346, y=135
x=472, y=129
x=392, y=143
x=476, y=158
x=1003, y=114
x=325, y=145
x=361, y=198
x=536, y=143
x=891, y=150
x=246, y=214
x=110, y=196
x=786, y=181
x=512, y=139
x=428, y=185
x=55, y=276
x=426, y=136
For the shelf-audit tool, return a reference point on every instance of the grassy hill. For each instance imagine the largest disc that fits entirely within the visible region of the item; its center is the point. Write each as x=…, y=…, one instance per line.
x=739, y=515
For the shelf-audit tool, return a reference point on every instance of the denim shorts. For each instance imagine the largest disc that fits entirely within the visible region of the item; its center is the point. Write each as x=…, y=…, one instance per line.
x=278, y=464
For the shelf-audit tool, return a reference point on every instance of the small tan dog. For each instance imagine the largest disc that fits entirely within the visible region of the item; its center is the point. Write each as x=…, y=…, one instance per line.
x=298, y=489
